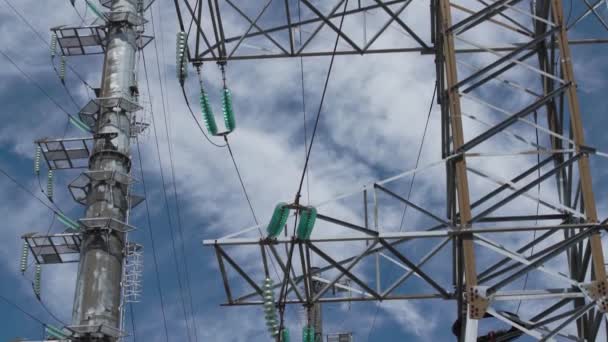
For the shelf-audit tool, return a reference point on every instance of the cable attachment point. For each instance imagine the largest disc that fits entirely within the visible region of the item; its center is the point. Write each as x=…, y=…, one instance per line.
x=477, y=301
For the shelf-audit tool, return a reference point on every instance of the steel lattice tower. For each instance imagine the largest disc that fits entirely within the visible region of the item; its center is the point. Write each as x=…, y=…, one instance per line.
x=474, y=233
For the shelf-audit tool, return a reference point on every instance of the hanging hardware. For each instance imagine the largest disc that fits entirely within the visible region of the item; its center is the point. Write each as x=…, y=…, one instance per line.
x=37, y=158
x=270, y=311
x=24, y=256
x=182, y=56
x=49, y=185
x=53, y=44
x=37, y=280
x=62, y=69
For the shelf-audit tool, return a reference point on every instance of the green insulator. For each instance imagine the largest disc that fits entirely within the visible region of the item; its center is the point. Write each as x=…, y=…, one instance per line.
x=49, y=185
x=308, y=334
x=278, y=220
x=37, y=280
x=37, y=158
x=68, y=222
x=53, y=44
x=24, y=255
x=228, y=111
x=79, y=124
x=208, y=117
x=52, y=331
x=62, y=69
x=95, y=10
x=308, y=216
x=285, y=335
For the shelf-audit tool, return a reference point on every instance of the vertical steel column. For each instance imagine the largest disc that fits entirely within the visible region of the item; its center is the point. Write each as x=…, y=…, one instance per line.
x=476, y=303
x=316, y=313
x=579, y=138
x=98, y=288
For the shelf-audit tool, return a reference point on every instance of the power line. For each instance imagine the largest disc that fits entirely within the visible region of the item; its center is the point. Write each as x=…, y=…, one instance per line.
x=35, y=83
x=200, y=128
x=153, y=245
x=241, y=180
x=303, y=103
x=176, y=197
x=25, y=312
x=166, y=200
x=426, y=126
x=314, y=131
x=27, y=22
x=283, y=291
x=28, y=191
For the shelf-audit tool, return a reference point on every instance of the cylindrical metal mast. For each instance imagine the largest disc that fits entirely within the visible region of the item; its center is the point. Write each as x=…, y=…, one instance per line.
x=98, y=289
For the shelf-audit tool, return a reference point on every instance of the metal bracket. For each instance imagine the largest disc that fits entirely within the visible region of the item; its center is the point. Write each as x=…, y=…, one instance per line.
x=478, y=301
x=81, y=186
x=89, y=114
x=105, y=223
x=598, y=291
x=145, y=4
x=120, y=102
x=128, y=17
x=96, y=331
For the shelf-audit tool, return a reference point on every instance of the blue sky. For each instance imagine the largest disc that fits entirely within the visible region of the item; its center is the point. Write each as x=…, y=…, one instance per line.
x=371, y=127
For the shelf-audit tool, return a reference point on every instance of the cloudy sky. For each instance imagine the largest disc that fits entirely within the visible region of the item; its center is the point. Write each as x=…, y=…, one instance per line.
x=370, y=128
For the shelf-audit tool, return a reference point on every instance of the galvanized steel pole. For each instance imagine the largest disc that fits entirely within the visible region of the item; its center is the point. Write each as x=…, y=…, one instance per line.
x=98, y=289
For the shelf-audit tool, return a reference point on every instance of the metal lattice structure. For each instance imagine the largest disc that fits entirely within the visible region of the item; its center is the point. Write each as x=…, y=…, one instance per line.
x=495, y=96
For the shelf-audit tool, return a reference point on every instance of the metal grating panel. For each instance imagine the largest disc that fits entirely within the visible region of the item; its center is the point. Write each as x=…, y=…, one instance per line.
x=54, y=249
x=76, y=41
x=70, y=153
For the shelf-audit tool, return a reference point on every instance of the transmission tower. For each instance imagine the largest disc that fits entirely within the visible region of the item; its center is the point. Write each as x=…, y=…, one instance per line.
x=110, y=266
x=489, y=242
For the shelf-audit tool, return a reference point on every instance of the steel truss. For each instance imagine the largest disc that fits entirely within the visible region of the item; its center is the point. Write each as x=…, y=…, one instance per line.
x=529, y=63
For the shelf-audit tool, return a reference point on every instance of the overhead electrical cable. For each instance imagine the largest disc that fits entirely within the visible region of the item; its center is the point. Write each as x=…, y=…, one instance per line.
x=152, y=243
x=426, y=126
x=283, y=292
x=31, y=193
x=196, y=120
x=25, y=312
x=28, y=23
x=167, y=209
x=173, y=178
x=314, y=130
x=70, y=116
x=303, y=104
